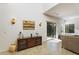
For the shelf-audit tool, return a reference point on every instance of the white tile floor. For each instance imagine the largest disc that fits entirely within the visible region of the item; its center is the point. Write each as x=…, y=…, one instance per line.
x=47, y=48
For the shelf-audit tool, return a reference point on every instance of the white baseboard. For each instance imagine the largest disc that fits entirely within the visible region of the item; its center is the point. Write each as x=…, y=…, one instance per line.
x=3, y=50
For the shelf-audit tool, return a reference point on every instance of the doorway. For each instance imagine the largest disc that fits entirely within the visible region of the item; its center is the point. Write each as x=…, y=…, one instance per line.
x=51, y=29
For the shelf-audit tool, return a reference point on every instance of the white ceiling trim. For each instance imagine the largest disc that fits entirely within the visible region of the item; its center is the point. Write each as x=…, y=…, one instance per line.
x=51, y=7
x=64, y=11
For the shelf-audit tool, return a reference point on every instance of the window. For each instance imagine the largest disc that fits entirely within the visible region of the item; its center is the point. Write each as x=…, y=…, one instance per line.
x=69, y=28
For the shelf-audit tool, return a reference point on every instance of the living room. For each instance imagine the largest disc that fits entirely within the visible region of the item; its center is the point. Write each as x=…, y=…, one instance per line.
x=16, y=18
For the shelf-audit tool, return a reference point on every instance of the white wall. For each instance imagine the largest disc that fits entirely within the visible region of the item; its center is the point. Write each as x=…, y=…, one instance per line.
x=71, y=21
x=53, y=20
x=9, y=32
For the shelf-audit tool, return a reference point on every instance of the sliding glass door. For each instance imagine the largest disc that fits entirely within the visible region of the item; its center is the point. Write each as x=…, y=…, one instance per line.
x=51, y=29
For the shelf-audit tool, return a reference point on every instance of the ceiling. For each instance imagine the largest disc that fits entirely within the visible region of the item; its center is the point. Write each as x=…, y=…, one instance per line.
x=64, y=10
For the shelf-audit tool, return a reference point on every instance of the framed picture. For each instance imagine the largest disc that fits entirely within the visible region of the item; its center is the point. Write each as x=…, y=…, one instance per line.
x=28, y=25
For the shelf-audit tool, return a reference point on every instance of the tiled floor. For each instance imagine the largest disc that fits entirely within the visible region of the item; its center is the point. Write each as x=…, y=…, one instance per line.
x=45, y=49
